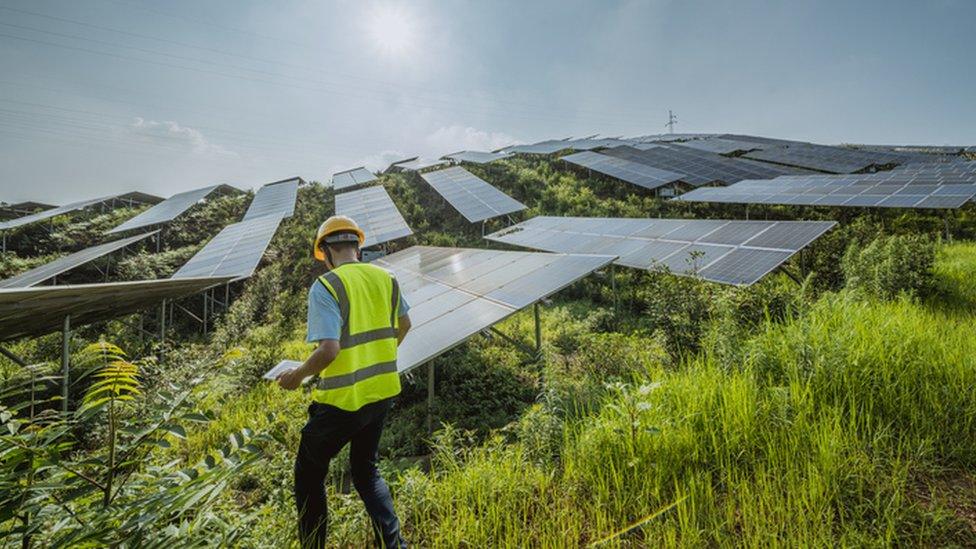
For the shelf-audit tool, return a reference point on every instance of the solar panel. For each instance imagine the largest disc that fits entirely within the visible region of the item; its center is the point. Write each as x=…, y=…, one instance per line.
x=68, y=262
x=277, y=199
x=721, y=145
x=550, y=146
x=374, y=211
x=625, y=170
x=934, y=185
x=236, y=250
x=414, y=164
x=714, y=250
x=827, y=158
x=41, y=310
x=471, y=195
x=700, y=167
x=455, y=293
x=169, y=209
x=476, y=157
x=352, y=178
x=53, y=212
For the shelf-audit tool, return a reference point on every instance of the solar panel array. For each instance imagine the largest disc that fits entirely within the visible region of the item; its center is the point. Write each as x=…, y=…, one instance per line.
x=41, y=310
x=236, y=250
x=352, y=178
x=168, y=209
x=276, y=199
x=729, y=252
x=63, y=264
x=456, y=293
x=940, y=186
x=53, y=212
x=626, y=170
x=828, y=159
x=476, y=157
x=471, y=195
x=721, y=145
x=374, y=211
x=550, y=146
x=415, y=164
x=699, y=167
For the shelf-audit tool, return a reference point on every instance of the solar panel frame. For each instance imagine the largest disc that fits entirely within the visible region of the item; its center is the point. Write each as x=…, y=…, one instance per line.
x=476, y=157
x=274, y=199
x=235, y=251
x=53, y=212
x=456, y=293
x=352, y=178
x=670, y=243
x=890, y=189
x=625, y=170
x=40, y=310
x=700, y=167
x=375, y=212
x=169, y=209
x=61, y=265
x=473, y=197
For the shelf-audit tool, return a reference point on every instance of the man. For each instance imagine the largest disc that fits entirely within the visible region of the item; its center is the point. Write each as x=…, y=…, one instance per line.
x=357, y=317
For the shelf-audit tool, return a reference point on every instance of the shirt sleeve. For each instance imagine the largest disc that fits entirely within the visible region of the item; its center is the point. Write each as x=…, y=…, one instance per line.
x=404, y=306
x=324, y=317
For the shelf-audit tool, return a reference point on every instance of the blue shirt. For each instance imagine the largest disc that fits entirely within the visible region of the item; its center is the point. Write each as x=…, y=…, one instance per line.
x=324, y=318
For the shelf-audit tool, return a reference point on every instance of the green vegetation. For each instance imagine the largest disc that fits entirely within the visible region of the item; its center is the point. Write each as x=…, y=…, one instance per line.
x=836, y=412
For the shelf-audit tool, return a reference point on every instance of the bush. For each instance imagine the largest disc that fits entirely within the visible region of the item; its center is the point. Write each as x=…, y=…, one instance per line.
x=891, y=265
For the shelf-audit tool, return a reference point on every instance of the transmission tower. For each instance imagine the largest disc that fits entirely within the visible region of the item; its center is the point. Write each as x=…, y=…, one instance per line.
x=672, y=120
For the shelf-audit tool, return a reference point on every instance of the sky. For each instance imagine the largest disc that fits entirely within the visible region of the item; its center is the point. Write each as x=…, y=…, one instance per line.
x=104, y=96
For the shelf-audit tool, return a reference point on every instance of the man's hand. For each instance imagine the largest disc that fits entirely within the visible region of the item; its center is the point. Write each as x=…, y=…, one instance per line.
x=291, y=379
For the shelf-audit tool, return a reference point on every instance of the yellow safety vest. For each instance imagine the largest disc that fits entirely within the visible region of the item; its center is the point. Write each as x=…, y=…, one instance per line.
x=365, y=370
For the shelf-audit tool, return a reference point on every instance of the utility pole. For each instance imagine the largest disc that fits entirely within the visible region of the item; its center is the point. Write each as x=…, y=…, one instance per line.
x=672, y=120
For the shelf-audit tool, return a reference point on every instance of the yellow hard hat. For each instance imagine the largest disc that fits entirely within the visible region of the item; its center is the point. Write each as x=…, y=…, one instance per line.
x=343, y=228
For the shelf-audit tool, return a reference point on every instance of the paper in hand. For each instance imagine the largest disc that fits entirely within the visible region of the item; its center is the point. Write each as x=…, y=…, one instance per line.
x=281, y=368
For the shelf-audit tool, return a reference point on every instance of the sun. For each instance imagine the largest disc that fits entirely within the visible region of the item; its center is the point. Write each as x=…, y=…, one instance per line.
x=392, y=29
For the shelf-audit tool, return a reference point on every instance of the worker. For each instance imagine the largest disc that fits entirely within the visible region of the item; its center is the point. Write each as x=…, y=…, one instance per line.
x=357, y=317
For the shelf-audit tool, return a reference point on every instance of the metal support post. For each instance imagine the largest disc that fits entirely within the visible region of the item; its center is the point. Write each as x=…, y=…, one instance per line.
x=227, y=297
x=430, y=398
x=206, y=294
x=613, y=289
x=538, y=330
x=65, y=361
x=948, y=234
x=162, y=329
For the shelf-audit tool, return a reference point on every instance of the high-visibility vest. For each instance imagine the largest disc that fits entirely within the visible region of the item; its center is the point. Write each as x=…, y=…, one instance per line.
x=365, y=370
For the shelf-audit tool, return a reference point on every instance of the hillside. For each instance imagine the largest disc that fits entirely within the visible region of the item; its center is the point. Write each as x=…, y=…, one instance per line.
x=834, y=411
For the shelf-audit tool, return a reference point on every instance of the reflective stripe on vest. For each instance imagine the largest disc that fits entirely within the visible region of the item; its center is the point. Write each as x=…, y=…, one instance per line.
x=365, y=369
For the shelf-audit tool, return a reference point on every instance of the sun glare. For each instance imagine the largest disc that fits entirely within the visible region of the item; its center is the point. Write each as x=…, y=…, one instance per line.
x=391, y=28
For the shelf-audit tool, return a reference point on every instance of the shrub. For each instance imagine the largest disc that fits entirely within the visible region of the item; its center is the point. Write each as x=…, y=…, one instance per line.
x=891, y=265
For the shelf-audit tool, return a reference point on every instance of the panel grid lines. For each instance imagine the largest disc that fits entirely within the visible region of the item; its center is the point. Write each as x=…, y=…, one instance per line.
x=472, y=196
x=374, y=211
x=632, y=172
x=685, y=247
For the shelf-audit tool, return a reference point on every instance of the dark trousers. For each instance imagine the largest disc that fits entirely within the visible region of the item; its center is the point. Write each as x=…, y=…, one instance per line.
x=327, y=431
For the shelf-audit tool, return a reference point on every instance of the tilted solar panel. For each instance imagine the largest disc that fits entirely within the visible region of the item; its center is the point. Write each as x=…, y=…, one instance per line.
x=471, y=195
x=63, y=264
x=938, y=186
x=476, y=157
x=827, y=158
x=720, y=145
x=374, y=211
x=53, y=212
x=455, y=293
x=700, y=167
x=352, y=178
x=41, y=310
x=715, y=250
x=276, y=199
x=236, y=250
x=625, y=170
x=168, y=209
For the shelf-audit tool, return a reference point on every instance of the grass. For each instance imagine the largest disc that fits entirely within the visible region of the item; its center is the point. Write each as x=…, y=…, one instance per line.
x=841, y=425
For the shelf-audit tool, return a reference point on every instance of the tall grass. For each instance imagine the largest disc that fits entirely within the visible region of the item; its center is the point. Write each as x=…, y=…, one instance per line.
x=821, y=437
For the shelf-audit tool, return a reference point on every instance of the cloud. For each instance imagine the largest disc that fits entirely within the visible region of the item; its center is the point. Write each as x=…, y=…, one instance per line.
x=449, y=139
x=171, y=135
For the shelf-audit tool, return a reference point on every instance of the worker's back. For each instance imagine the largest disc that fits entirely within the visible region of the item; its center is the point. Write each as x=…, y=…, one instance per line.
x=365, y=370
